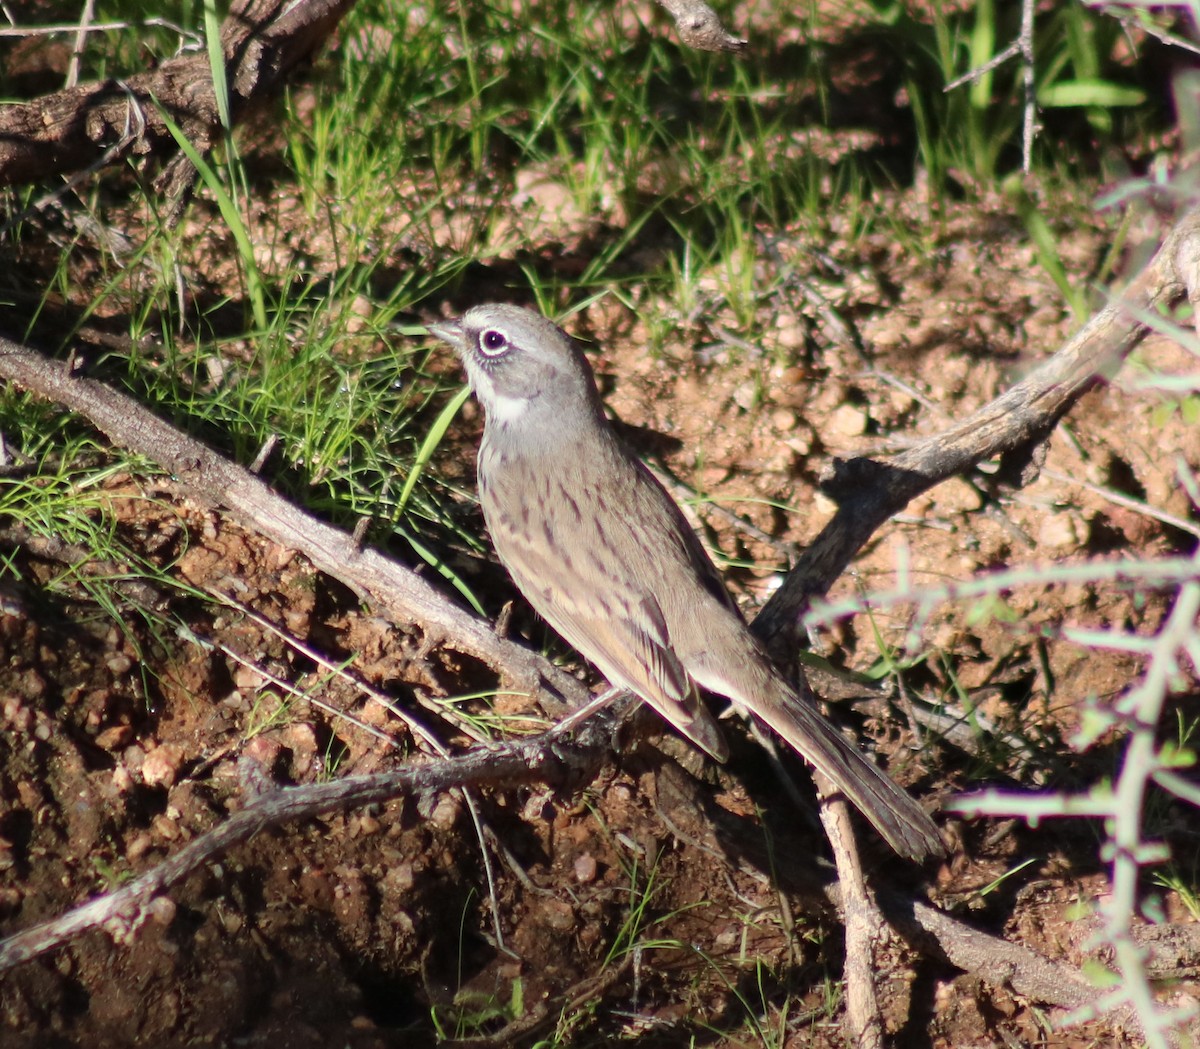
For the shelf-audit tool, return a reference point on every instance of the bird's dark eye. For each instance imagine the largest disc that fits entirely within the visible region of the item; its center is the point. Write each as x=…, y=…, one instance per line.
x=493, y=342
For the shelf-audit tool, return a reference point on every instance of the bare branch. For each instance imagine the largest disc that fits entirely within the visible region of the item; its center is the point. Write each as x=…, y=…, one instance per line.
x=869, y=491
x=546, y=759
x=262, y=40
x=863, y=922
x=699, y=26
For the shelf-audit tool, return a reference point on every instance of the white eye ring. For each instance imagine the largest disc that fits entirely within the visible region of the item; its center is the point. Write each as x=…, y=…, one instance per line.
x=493, y=343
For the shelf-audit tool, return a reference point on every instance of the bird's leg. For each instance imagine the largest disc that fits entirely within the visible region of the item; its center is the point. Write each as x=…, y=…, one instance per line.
x=589, y=708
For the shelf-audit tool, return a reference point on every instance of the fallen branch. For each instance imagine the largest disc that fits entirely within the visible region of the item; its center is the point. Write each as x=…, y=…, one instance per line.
x=547, y=758
x=261, y=40
x=870, y=491
x=861, y=919
x=218, y=482
x=699, y=27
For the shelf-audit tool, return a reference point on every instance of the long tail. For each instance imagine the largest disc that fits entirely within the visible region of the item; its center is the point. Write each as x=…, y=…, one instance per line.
x=902, y=822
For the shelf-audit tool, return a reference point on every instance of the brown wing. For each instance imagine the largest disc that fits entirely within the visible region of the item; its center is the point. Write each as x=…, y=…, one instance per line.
x=596, y=590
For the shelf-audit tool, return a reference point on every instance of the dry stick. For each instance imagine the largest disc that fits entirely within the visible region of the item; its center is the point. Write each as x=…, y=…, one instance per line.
x=935, y=933
x=537, y=759
x=135, y=127
x=150, y=597
x=860, y=917
x=869, y=491
x=85, y=20
x=285, y=686
x=407, y=598
x=262, y=41
x=1022, y=46
x=700, y=27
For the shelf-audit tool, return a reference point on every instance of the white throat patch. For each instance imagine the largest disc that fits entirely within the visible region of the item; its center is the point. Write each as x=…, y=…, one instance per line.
x=506, y=409
x=499, y=408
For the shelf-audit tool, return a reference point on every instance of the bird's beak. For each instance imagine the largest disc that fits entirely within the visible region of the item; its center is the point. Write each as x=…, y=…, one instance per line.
x=448, y=331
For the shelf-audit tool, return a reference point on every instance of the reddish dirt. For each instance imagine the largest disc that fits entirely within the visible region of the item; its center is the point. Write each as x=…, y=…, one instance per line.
x=373, y=926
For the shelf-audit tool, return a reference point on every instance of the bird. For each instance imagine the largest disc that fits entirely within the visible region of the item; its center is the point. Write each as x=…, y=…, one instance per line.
x=604, y=554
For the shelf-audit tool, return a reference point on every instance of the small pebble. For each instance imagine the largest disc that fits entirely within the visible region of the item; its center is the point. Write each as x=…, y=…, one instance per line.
x=161, y=766
x=849, y=420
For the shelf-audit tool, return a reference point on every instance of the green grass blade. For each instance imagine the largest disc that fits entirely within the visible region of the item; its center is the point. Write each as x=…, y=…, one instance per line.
x=428, y=446
x=231, y=215
x=216, y=63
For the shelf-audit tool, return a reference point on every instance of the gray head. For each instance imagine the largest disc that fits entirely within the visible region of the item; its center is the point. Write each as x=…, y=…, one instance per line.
x=520, y=365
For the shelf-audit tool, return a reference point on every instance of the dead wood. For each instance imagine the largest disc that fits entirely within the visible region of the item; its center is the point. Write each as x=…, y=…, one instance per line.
x=699, y=27
x=548, y=758
x=870, y=491
x=218, y=482
x=861, y=919
x=262, y=41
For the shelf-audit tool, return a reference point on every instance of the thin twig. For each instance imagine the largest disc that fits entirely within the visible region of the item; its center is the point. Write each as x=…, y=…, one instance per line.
x=21, y=32
x=1022, y=46
x=85, y=19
